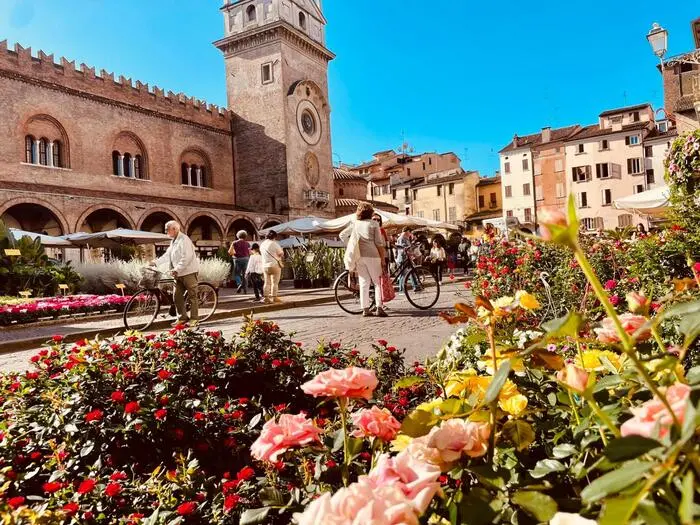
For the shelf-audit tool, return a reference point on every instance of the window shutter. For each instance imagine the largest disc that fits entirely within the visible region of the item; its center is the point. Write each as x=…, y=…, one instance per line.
x=627, y=141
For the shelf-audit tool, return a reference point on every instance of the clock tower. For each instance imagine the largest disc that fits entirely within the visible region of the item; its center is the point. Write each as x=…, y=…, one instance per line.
x=277, y=83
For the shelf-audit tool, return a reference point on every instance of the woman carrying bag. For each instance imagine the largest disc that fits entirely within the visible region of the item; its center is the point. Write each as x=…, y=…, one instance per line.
x=272, y=256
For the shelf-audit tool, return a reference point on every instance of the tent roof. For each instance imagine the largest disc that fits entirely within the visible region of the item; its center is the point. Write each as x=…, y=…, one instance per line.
x=46, y=240
x=650, y=202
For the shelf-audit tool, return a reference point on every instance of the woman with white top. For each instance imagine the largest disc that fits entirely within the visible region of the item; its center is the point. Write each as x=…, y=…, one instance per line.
x=371, y=263
x=272, y=255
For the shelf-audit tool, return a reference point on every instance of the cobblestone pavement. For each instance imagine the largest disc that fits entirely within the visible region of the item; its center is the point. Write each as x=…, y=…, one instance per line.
x=420, y=332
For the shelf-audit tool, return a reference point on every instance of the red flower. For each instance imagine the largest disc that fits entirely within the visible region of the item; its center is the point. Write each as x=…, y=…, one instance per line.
x=118, y=396
x=335, y=345
x=610, y=284
x=391, y=349
x=163, y=400
x=382, y=342
x=187, y=508
x=94, y=415
x=211, y=388
x=35, y=455
x=71, y=508
x=88, y=516
x=52, y=486
x=113, y=489
x=245, y=473
x=231, y=361
x=57, y=338
x=331, y=464
x=276, y=363
x=15, y=502
x=696, y=267
x=86, y=486
x=118, y=476
x=132, y=407
x=165, y=374
x=231, y=501
x=170, y=343
x=35, y=358
x=614, y=300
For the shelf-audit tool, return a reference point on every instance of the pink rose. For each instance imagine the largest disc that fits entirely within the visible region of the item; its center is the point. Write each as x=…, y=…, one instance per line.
x=630, y=323
x=637, y=303
x=375, y=422
x=610, y=284
x=360, y=503
x=653, y=413
x=276, y=437
x=416, y=479
x=352, y=382
x=445, y=444
x=553, y=217
x=574, y=377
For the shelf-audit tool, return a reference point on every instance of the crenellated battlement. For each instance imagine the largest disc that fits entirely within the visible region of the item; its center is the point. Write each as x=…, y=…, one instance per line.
x=65, y=73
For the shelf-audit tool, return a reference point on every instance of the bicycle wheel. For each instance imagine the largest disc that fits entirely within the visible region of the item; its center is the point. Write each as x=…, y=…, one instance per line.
x=422, y=287
x=141, y=310
x=208, y=301
x=347, y=298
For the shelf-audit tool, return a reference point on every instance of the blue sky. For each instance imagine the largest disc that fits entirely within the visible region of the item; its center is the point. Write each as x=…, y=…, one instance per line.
x=456, y=75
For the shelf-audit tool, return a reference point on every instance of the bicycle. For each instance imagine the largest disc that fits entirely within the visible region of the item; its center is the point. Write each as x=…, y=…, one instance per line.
x=420, y=284
x=144, y=306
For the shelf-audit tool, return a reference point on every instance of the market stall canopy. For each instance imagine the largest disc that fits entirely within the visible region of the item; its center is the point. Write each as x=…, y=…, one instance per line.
x=46, y=240
x=651, y=202
x=299, y=242
x=316, y=225
x=112, y=238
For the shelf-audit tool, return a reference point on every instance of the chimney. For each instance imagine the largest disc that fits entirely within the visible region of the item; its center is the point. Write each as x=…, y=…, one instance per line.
x=515, y=140
x=546, y=134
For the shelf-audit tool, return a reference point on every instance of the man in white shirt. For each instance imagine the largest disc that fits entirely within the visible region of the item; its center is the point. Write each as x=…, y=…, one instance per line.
x=182, y=262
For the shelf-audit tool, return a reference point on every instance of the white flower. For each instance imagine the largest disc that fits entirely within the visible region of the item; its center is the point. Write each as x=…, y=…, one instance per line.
x=566, y=518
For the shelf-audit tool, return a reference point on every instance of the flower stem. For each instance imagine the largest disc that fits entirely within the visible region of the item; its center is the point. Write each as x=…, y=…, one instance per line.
x=602, y=416
x=342, y=407
x=573, y=407
x=494, y=403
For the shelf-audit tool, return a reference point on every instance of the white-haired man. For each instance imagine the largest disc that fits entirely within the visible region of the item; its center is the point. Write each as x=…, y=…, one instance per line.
x=181, y=259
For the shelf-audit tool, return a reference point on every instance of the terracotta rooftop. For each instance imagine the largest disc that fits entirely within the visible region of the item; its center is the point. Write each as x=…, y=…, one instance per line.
x=625, y=109
x=595, y=130
x=352, y=203
x=441, y=180
x=485, y=181
x=656, y=134
x=686, y=103
x=535, y=139
x=339, y=174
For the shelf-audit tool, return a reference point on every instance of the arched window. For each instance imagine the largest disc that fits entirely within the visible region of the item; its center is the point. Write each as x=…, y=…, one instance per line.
x=185, y=175
x=29, y=155
x=250, y=14
x=340, y=191
x=204, y=176
x=137, y=167
x=127, y=166
x=302, y=20
x=115, y=162
x=43, y=147
x=57, y=154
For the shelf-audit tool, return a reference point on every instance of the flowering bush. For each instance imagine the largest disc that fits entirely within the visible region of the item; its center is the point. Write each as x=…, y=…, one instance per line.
x=28, y=311
x=682, y=175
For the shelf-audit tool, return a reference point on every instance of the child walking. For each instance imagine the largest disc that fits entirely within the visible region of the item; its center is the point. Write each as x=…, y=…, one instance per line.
x=254, y=272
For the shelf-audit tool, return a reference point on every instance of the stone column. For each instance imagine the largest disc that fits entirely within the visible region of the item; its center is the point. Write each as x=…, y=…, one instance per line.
x=189, y=175
x=36, y=151
x=132, y=167
x=49, y=155
x=120, y=168
x=199, y=176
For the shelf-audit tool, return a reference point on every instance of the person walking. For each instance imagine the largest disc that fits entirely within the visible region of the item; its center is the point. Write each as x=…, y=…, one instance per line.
x=437, y=258
x=387, y=245
x=371, y=262
x=403, y=244
x=181, y=259
x=272, y=255
x=240, y=251
x=255, y=271
x=463, y=251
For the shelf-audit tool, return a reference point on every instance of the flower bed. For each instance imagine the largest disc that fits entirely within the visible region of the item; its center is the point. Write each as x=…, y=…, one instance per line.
x=54, y=307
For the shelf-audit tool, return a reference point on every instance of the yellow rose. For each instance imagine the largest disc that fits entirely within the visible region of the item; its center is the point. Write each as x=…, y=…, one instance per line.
x=514, y=405
x=591, y=360
x=527, y=300
x=401, y=442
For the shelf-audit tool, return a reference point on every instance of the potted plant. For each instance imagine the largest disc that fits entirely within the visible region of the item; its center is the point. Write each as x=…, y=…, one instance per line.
x=297, y=261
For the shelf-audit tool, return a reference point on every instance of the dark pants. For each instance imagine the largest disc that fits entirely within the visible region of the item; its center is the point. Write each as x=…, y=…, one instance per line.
x=189, y=283
x=239, y=266
x=436, y=268
x=256, y=281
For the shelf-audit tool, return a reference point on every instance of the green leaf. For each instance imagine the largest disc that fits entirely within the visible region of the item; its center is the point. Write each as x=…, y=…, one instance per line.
x=693, y=375
x=519, y=433
x=70, y=428
x=567, y=326
x=87, y=449
x=408, y=382
x=615, y=481
x=571, y=216
x=607, y=382
x=271, y=496
x=564, y=450
x=538, y=505
x=418, y=423
x=254, y=516
x=497, y=382
x=487, y=476
x=256, y=419
x=337, y=440
x=475, y=508
x=618, y=510
x=651, y=514
x=629, y=447
x=546, y=466
x=685, y=510
x=689, y=314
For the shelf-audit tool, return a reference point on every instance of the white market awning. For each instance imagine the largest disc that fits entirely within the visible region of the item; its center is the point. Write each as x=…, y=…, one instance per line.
x=651, y=202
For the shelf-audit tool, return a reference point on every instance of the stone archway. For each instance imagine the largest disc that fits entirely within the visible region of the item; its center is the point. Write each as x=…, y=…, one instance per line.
x=21, y=217
x=33, y=217
x=103, y=219
x=238, y=224
x=154, y=220
x=270, y=224
x=205, y=228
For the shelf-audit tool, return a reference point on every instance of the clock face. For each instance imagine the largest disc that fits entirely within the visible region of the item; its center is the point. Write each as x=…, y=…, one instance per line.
x=309, y=122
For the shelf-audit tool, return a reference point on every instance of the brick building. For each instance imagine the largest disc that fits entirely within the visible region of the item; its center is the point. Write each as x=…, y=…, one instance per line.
x=489, y=204
x=349, y=190
x=82, y=150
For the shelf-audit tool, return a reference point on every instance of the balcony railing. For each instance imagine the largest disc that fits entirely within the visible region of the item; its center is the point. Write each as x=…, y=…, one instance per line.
x=317, y=198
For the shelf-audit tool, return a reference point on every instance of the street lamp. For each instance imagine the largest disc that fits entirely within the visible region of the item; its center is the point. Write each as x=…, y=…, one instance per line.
x=658, y=39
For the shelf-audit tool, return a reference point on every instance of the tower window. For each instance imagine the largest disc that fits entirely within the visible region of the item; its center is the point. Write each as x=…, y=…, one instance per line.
x=250, y=14
x=115, y=162
x=29, y=154
x=43, y=148
x=267, y=73
x=57, y=154
x=302, y=21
